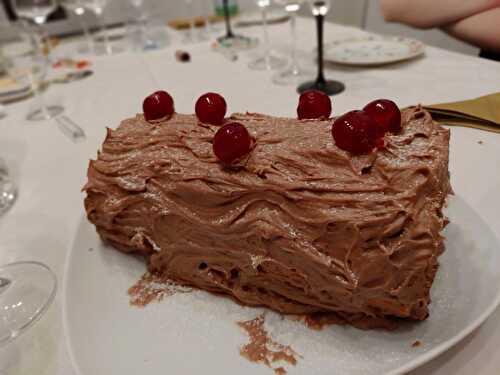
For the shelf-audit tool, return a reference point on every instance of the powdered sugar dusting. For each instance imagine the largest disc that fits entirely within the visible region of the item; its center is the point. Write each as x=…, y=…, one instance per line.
x=153, y=287
x=263, y=349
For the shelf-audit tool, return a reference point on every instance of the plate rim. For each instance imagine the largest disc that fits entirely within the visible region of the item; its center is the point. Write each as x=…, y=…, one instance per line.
x=411, y=365
x=421, y=49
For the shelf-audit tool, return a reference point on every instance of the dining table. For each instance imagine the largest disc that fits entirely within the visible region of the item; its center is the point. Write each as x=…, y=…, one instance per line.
x=50, y=169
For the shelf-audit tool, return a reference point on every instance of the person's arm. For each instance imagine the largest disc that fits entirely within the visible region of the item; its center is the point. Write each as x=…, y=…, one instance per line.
x=426, y=14
x=481, y=30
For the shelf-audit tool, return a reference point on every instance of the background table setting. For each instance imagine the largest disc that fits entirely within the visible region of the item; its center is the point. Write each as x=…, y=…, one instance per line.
x=47, y=160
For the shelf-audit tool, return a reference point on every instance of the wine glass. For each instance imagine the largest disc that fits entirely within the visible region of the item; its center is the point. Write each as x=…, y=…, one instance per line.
x=8, y=191
x=294, y=74
x=26, y=291
x=319, y=9
x=37, y=64
x=193, y=35
x=141, y=39
x=97, y=7
x=76, y=7
x=268, y=61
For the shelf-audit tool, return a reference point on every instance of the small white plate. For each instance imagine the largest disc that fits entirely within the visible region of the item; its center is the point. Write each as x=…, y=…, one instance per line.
x=195, y=333
x=373, y=50
x=255, y=18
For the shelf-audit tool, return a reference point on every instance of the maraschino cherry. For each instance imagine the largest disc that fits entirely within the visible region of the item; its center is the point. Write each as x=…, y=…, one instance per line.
x=386, y=114
x=211, y=108
x=314, y=104
x=232, y=142
x=158, y=105
x=355, y=132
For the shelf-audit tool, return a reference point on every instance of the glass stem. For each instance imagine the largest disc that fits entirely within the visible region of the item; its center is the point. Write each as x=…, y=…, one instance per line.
x=319, y=24
x=266, y=34
x=293, y=27
x=227, y=17
x=37, y=86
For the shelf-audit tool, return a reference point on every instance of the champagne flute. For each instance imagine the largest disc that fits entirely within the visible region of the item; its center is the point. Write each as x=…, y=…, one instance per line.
x=35, y=11
x=268, y=61
x=76, y=7
x=294, y=74
x=26, y=291
x=319, y=9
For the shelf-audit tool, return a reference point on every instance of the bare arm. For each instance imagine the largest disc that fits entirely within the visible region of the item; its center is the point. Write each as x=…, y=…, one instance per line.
x=482, y=30
x=427, y=14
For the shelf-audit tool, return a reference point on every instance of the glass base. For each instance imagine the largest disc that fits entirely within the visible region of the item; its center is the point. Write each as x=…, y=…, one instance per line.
x=26, y=291
x=328, y=87
x=269, y=62
x=292, y=76
x=47, y=113
x=8, y=195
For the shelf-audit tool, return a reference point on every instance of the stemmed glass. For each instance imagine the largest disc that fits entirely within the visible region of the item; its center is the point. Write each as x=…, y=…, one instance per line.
x=143, y=40
x=319, y=9
x=97, y=7
x=76, y=7
x=26, y=291
x=268, y=61
x=35, y=11
x=294, y=74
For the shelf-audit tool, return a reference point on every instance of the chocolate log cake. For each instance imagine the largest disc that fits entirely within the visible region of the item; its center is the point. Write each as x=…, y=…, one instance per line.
x=298, y=225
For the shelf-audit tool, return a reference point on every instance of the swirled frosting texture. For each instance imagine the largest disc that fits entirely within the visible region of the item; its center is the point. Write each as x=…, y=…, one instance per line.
x=299, y=226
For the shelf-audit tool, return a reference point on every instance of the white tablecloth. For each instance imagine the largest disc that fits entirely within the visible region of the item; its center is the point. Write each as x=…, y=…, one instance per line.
x=50, y=170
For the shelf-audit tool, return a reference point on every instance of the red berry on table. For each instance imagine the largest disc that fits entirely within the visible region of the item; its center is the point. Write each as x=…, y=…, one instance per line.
x=314, y=104
x=211, y=108
x=231, y=142
x=387, y=115
x=355, y=132
x=158, y=105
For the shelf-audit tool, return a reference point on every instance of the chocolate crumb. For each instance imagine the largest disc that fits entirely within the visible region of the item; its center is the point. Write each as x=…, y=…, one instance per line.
x=416, y=344
x=91, y=249
x=480, y=142
x=153, y=287
x=263, y=349
x=182, y=56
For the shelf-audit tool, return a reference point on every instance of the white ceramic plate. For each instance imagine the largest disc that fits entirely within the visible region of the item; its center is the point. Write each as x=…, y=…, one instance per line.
x=373, y=50
x=255, y=18
x=196, y=333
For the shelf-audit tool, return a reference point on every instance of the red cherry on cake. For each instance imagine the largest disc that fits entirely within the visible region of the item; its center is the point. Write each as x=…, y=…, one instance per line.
x=355, y=132
x=158, y=105
x=314, y=104
x=211, y=108
x=386, y=114
x=231, y=142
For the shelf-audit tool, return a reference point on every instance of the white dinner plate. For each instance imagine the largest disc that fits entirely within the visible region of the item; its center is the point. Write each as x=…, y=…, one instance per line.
x=373, y=50
x=195, y=333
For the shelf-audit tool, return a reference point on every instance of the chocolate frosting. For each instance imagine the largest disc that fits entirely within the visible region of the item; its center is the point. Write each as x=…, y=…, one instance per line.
x=300, y=225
